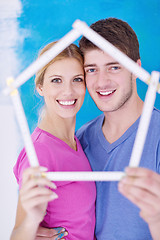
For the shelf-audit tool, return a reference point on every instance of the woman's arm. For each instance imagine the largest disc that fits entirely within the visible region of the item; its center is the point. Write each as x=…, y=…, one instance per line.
x=33, y=199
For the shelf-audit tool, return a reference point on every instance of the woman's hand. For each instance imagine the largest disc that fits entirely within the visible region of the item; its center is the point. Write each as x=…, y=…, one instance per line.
x=36, y=193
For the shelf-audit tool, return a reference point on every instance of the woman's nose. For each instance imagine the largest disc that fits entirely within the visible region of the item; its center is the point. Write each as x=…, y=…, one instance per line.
x=68, y=88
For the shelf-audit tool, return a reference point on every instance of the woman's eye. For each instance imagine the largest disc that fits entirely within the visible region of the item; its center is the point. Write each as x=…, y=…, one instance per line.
x=56, y=80
x=78, y=80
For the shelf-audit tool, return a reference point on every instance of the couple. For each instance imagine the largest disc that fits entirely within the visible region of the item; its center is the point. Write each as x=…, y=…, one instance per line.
x=107, y=142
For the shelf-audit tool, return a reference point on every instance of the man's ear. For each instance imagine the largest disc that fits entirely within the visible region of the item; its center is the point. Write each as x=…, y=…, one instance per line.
x=39, y=88
x=139, y=63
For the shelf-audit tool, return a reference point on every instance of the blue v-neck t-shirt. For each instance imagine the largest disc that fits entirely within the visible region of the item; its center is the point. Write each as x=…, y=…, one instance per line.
x=116, y=216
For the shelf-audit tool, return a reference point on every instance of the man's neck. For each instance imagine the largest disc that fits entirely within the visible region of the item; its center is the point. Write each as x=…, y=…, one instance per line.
x=117, y=122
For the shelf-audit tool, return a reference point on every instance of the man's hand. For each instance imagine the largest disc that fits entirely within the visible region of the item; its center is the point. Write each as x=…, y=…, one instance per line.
x=51, y=234
x=142, y=187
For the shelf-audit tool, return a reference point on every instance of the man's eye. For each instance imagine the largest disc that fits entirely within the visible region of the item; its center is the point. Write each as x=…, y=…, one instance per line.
x=78, y=80
x=56, y=80
x=90, y=70
x=114, y=69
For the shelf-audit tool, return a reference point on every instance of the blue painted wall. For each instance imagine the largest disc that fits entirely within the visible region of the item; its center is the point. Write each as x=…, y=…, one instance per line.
x=44, y=21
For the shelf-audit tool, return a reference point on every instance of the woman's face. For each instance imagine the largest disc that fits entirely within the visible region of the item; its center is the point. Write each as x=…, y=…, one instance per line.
x=63, y=87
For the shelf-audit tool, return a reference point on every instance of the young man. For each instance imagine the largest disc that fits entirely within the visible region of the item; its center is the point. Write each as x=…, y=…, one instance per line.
x=108, y=140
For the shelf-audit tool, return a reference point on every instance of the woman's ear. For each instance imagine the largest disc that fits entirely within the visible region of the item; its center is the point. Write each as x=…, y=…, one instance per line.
x=39, y=88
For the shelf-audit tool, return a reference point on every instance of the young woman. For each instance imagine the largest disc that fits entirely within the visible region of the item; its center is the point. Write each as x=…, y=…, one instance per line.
x=62, y=85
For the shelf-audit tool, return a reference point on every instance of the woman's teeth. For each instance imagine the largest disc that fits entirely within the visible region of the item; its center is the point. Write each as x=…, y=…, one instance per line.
x=67, y=103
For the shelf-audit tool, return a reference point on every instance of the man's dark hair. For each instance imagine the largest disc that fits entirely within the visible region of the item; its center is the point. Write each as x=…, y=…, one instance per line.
x=117, y=32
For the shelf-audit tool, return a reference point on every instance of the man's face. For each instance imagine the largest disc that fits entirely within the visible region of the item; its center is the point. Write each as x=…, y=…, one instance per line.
x=110, y=84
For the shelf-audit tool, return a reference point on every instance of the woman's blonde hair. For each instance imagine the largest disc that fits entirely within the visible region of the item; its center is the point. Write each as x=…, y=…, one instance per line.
x=72, y=51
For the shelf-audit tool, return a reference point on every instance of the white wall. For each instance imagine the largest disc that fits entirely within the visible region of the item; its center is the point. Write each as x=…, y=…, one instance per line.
x=9, y=139
x=10, y=10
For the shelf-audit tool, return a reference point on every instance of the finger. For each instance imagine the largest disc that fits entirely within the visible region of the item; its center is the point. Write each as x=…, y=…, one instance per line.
x=31, y=171
x=37, y=181
x=30, y=193
x=31, y=203
x=36, y=173
x=143, y=199
x=149, y=183
x=35, y=192
x=48, y=238
x=42, y=181
x=45, y=232
x=61, y=236
x=142, y=172
x=150, y=218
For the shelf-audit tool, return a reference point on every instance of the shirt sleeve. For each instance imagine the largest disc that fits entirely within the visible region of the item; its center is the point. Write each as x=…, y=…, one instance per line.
x=44, y=158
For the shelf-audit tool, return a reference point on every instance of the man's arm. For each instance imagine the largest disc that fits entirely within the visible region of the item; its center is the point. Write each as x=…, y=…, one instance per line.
x=142, y=187
x=51, y=234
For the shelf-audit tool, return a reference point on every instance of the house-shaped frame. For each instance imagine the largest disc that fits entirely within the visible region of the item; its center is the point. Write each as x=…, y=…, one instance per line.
x=81, y=28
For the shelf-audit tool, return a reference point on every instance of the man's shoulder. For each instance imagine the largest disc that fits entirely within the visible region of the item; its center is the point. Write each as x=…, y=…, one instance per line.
x=155, y=117
x=156, y=112
x=89, y=126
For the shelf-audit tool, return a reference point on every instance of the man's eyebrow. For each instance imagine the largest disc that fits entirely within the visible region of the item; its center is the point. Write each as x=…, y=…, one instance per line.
x=90, y=65
x=107, y=64
x=112, y=63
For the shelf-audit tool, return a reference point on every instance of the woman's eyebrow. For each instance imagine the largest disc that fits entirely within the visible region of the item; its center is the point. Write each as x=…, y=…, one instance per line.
x=79, y=75
x=55, y=76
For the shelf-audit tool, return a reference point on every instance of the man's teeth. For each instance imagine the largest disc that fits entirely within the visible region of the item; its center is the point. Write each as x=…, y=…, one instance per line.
x=66, y=103
x=106, y=93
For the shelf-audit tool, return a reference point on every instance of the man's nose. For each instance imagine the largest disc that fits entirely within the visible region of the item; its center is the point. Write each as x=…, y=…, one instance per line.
x=103, y=78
